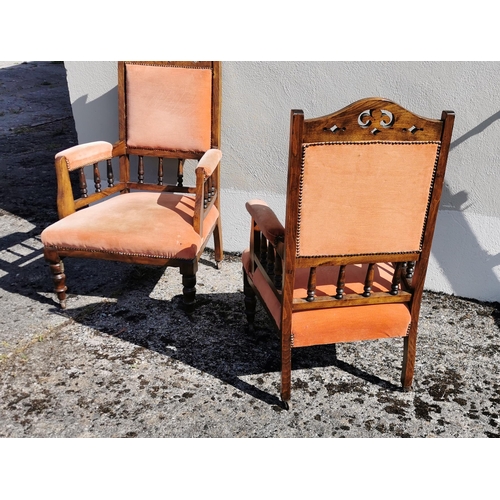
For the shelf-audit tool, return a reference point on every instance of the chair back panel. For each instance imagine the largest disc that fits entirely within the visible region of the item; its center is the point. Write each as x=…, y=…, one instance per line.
x=168, y=107
x=372, y=215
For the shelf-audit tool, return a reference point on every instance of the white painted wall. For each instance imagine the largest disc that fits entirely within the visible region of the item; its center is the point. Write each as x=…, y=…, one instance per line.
x=257, y=98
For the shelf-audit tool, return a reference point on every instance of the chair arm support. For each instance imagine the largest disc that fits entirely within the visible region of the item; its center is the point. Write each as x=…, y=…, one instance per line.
x=267, y=221
x=209, y=161
x=85, y=154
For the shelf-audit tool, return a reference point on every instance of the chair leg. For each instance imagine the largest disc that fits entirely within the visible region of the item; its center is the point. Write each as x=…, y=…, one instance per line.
x=286, y=370
x=58, y=276
x=188, y=272
x=218, y=249
x=250, y=303
x=410, y=347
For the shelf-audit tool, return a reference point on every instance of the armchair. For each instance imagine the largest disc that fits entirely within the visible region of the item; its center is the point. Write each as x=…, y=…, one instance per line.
x=336, y=270
x=167, y=110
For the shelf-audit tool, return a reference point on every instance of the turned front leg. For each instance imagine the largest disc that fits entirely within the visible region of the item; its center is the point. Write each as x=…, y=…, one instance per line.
x=58, y=276
x=188, y=272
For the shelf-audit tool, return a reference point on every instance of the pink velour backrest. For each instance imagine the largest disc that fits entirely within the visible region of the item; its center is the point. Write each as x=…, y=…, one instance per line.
x=168, y=107
x=363, y=198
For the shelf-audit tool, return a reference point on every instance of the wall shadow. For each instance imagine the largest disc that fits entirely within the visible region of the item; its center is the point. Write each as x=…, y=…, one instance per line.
x=466, y=265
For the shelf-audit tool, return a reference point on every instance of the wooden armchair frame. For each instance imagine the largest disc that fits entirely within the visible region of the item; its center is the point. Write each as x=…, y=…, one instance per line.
x=279, y=256
x=205, y=194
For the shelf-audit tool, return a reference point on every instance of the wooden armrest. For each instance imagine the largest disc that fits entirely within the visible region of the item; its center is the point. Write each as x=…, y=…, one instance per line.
x=209, y=161
x=267, y=221
x=85, y=154
x=71, y=159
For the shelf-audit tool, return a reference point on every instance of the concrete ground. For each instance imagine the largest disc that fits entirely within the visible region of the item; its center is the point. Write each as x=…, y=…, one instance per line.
x=125, y=361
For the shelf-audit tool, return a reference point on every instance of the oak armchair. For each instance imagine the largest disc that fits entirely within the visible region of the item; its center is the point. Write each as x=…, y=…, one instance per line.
x=167, y=110
x=364, y=185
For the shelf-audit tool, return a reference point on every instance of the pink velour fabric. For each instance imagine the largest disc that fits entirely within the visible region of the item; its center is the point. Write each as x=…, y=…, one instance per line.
x=140, y=224
x=341, y=324
x=209, y=161
x=266, y=219
x=363, y=198
x=168, y=107
x=86, y=154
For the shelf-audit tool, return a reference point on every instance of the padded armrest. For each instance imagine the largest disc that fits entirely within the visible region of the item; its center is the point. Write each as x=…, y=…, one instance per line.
x=267, y=221
x=209, y=161
x=86, y=154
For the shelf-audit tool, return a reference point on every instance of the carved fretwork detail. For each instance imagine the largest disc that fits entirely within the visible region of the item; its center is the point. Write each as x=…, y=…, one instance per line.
x=362, y=115
x=390, y=122
x=414, y=129
x=364, y=120
x=334, y=129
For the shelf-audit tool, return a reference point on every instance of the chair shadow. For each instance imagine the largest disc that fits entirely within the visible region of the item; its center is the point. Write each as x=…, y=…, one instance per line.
x=212, y=339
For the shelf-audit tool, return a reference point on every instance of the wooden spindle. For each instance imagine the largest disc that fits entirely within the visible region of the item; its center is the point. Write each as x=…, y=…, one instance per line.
x=140, y=170
x=109, y=171
x=396, y=278
x=340, y=283
x=180, y=173
x=256, y=240
x=250, y=303
x=270, y=260
x=97, y=178
x=278, y=271
x=83, y=183
x=160, y=171
x=311, y=285
x=369, y=280
x=205, y=195
x=263, y=250
x=410, y=268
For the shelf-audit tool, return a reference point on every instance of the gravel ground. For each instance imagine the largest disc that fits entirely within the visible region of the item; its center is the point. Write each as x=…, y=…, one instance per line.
x=125, y=361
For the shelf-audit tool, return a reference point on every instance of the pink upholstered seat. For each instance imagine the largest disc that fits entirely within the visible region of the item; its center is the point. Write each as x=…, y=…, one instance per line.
x=135, y=224
x=344, y=324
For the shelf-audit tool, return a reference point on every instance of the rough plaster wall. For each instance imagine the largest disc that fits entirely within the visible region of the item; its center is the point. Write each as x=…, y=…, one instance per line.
x=257, y=98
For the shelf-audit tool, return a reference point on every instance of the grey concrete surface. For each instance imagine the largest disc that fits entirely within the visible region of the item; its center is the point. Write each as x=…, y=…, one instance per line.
x=125, y=361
